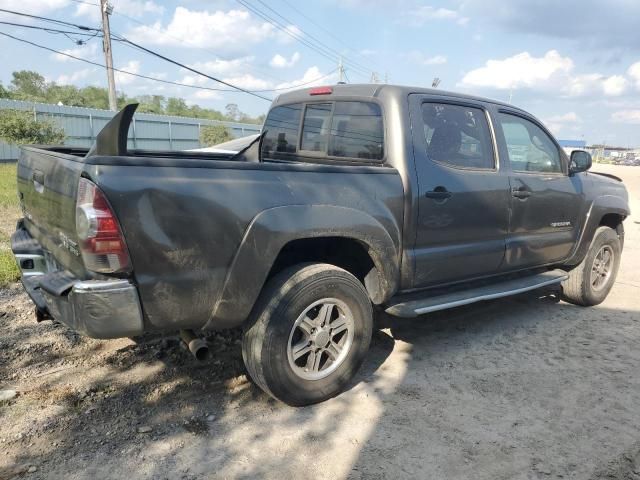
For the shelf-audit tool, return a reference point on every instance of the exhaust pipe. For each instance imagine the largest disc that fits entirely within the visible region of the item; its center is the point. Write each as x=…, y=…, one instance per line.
x=196, y=345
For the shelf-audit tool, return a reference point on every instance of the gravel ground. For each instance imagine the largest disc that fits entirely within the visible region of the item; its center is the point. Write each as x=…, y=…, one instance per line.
x=525, y=387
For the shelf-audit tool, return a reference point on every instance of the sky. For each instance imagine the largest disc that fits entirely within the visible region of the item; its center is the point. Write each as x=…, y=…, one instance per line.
x=575, y=64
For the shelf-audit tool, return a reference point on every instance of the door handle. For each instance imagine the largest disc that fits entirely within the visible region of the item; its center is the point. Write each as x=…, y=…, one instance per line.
x=521, y=193
x=438, y=193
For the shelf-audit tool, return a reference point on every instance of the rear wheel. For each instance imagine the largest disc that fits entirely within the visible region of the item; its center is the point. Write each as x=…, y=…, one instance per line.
x=590, y=282
x=308, y=334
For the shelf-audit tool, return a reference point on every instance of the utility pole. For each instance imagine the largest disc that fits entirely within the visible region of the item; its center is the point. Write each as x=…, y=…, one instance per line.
x=341, y=71
x=106, y=10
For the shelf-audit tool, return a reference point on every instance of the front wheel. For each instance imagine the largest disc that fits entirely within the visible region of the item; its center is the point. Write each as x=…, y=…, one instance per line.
x=590, y=282
x=308, y=333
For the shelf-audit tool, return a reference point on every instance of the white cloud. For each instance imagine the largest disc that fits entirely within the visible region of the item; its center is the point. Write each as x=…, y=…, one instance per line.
x=91, y=12
x=634, y=73
x=83, y=51
x=248, y=82
x=234, y=29
x=521, y=70
x=207, y=95
x=626, y=116
x=74, y=77
x=312, y=77
x=138, y=8
x=417, y=57
x=551, y=72
x=290, y=34
x=132, y=8
x=132, y=66
x=570, y=117
x=367, y=52
x=224, y=67
x=278, y=61
x=417, y=17
x=33, y=7
x=614, y=85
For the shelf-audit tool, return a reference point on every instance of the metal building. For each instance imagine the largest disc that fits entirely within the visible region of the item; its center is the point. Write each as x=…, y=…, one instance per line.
x=148, y=131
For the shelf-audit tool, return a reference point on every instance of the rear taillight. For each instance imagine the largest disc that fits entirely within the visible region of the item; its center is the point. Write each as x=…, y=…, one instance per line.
x=99, y=236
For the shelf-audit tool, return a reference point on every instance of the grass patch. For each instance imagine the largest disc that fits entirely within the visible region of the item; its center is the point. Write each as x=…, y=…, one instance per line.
x=8, y=187
x=9, y=214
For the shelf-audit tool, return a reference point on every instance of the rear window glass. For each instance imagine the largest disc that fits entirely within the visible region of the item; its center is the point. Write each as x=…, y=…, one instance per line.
x=315, y=128
x=356, y=131
x=334, y=129
x=281, y=126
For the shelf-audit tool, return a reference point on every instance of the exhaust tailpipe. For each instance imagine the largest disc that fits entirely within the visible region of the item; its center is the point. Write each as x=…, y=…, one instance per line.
x=196, y=345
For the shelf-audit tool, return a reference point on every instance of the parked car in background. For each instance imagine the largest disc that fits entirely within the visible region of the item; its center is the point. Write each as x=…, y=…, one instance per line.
x=353, y=198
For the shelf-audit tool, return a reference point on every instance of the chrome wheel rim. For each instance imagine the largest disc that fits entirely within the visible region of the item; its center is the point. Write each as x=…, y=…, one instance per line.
x=320, y=339
x=602, y=267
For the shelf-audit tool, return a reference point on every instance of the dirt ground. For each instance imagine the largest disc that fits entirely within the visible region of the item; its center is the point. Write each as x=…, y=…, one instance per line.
x=521, y=388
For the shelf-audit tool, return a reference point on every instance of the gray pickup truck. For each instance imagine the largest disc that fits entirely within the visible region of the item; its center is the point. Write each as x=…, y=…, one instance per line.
x=354, y=198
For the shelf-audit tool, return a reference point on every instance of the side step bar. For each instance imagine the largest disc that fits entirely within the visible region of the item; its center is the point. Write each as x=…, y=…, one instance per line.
x=413, y=308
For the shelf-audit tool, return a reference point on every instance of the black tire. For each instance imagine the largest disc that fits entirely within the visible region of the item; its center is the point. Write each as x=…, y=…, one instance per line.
x=578, y=288
x=270, y=329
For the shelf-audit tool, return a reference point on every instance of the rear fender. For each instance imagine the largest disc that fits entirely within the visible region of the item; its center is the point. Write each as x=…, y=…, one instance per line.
x=272, y=229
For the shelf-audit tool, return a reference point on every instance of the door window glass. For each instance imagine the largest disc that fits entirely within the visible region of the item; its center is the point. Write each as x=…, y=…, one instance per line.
x=530, y=148
x=457, y=136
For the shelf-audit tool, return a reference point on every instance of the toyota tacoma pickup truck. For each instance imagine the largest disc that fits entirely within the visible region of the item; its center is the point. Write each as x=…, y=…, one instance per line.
x=354, y=199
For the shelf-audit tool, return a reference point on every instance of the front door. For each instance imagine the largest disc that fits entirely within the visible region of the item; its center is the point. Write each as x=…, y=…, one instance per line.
x=463, y=204
x=545, y=202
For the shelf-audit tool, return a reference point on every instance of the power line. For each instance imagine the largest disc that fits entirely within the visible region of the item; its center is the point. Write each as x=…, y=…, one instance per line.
x=140, y=47
x=151, y=52
x=51, y=20
x=319, y=49
x=312, y=37
x=146, y=77
x=184, y=40
x=327, y=31
x=49, y=30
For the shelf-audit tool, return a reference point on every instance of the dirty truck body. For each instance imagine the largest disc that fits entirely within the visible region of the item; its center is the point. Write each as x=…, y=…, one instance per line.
x=356, y=197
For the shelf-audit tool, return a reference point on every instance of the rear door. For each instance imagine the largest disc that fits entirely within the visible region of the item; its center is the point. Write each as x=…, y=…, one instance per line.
x=545, y=201
x=463, y=205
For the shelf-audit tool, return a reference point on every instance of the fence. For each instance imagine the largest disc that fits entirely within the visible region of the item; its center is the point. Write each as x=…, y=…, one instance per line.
x=148, y=131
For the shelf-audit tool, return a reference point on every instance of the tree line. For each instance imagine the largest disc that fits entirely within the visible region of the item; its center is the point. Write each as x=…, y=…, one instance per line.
x=20, y=127
x=31, y=86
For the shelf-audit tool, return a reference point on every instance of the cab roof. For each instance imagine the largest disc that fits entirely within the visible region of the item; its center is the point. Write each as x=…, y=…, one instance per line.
x=374, y=90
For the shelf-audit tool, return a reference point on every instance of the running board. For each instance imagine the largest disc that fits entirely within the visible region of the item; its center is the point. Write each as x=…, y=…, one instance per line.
x=413, y=308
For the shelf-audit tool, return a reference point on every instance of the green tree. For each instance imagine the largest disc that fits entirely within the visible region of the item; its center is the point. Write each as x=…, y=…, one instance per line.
x=4, y=93
x=29, y=85
x=151, y=104
x=214, y=134
x=18, y=127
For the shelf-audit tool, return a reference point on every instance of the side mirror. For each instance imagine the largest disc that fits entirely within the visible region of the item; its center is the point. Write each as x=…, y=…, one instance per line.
x=580, y=161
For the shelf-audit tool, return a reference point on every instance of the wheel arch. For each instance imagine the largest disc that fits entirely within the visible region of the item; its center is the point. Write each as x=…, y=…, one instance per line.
x=606, y=210
x=281, y=235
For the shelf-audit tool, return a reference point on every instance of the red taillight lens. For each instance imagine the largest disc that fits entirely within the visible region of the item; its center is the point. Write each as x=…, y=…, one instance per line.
x=100, y=239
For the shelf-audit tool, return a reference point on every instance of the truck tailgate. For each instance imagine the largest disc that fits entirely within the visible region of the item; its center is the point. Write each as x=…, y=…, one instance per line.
x=47, y=187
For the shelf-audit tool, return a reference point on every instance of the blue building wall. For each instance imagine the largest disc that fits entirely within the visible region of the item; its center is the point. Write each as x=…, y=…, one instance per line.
x=148, y=131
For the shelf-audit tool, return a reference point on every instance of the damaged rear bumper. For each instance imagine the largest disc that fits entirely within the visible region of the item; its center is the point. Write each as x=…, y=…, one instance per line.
x=96, y=308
